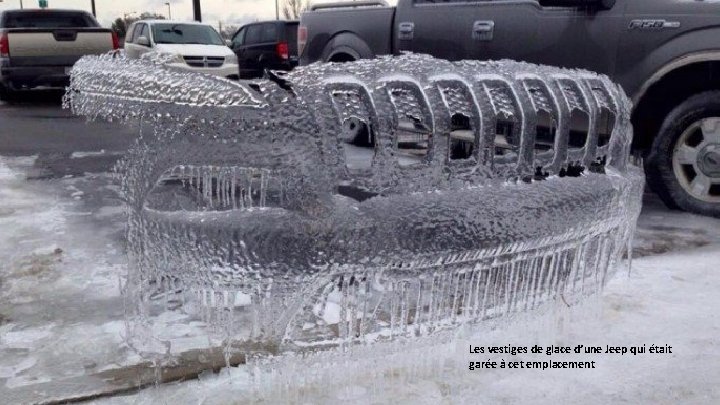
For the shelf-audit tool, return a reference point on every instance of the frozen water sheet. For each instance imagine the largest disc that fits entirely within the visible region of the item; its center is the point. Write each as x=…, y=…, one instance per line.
x=358, y=202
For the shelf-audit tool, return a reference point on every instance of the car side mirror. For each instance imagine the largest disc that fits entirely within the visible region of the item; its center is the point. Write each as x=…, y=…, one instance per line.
x=228, y=43
x=144, y=41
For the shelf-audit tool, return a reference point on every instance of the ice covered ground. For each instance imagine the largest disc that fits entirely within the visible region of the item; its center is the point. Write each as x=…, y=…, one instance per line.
x=61, y=321
x=669, y=299
x=47, y=279
x=61, y=261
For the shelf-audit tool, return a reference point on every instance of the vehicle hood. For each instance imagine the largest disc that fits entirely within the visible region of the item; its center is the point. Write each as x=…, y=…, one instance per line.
x=194, y=49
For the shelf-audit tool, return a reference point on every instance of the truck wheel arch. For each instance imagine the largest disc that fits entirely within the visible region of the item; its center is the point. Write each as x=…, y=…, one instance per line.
x=685, y=60
x=346, y=47
x=669, y=86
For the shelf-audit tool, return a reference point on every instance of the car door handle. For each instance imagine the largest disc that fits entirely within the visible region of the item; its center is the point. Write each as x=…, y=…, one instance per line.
x=483, y=30
x=406, y=30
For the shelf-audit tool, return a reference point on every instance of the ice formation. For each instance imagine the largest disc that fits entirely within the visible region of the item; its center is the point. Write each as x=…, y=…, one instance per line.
x=341, y=203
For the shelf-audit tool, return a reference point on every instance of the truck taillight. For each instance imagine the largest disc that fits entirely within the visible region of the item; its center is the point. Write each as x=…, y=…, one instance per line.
x=116, y=41
x=4, y=45
x=301, y=39
x=282, y=50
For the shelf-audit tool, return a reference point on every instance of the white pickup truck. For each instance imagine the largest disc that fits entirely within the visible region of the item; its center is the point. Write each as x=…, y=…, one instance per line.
x=39, y=47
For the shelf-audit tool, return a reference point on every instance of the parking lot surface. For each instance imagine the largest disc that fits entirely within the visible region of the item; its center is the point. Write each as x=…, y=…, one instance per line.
x=36, y=124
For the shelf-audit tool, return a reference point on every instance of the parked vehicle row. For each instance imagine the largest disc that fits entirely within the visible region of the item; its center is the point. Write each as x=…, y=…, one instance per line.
x=664, y=53
x=39, y=47
x=197, y=47
x=253, y=49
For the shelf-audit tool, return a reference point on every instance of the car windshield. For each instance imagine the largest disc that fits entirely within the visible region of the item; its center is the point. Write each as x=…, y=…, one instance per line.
x=186, y=34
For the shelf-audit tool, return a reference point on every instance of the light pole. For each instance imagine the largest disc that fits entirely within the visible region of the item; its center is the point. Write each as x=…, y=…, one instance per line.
x=92, y=3
x=197, y=13
x=169, y=12
x=277, y=9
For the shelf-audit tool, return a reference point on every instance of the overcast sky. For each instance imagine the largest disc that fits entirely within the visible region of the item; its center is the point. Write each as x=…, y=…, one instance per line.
x=233, y=12
x=227, y=11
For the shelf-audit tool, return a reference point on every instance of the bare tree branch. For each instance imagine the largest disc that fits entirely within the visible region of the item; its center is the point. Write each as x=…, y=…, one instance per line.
x=292, y=9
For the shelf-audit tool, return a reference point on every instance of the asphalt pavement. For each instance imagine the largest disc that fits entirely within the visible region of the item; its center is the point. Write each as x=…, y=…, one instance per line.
x=36, y=124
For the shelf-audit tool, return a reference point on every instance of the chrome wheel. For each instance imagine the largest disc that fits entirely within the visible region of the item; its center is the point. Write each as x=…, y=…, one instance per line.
x=696, y=160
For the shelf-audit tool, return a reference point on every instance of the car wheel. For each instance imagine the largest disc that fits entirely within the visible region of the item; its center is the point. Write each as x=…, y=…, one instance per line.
x=250, y=75
x=6, y=93
x=683, y=166
x=357, y=133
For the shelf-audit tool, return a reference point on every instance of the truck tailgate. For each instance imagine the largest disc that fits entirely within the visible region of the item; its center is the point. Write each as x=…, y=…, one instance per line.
x=58, y=46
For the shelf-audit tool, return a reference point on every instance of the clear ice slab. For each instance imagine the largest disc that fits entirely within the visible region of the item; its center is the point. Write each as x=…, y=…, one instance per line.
x=365, y=201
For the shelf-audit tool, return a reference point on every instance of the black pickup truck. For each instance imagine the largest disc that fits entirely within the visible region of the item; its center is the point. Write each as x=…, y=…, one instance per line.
x=664, y=53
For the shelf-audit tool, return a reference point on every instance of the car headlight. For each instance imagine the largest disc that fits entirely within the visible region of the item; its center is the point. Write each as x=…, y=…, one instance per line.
x=231, y=59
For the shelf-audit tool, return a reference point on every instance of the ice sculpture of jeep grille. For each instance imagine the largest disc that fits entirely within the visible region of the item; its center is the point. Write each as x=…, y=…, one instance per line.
x=361, y=201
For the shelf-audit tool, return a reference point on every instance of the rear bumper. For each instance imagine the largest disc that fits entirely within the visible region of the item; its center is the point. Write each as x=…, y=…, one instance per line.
x=284, y=66
x=33, y=76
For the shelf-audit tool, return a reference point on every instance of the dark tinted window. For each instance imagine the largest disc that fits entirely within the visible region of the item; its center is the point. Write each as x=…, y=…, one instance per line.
x=253, y=35
x=129, y=34
x=451, y=1
x=544, y=3
x=48, y=19
x=239, y=37
x=291, y=37
x=269, y=33
x=145, y=32
x=136, y=33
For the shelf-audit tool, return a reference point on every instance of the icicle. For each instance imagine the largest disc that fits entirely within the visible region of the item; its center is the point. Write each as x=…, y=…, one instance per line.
x=629, y=248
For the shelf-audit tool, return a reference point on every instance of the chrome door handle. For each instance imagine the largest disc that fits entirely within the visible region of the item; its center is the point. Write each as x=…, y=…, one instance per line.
x=406, y=30
x=483, y=30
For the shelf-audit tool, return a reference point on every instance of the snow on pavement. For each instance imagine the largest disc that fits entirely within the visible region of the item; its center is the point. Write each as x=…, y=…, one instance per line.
x=61, y=263
x=52, y=302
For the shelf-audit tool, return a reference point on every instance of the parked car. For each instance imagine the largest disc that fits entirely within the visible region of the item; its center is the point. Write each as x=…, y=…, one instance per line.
x=39, y=47
x=266, y=45
x=197, y=47
x=664, y=53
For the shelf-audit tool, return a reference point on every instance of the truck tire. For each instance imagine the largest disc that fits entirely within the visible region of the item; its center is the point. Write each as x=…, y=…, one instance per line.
x=6, y=94
x=683, y=166
x=357, y=133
